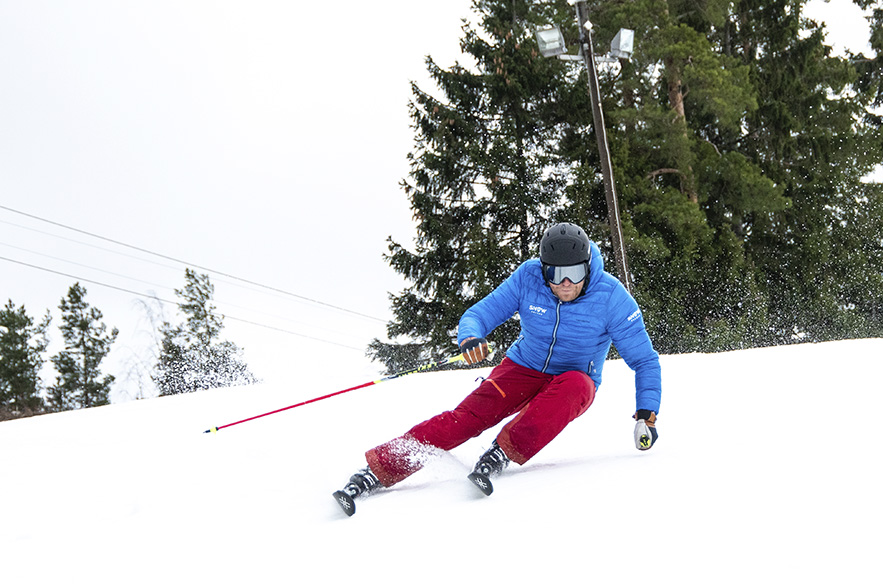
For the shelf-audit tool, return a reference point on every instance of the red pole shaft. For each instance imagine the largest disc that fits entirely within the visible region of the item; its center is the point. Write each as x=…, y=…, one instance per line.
x=425, y=367
x=309, y=401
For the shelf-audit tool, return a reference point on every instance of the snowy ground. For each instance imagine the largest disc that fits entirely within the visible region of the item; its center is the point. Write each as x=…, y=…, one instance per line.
x=764, y=472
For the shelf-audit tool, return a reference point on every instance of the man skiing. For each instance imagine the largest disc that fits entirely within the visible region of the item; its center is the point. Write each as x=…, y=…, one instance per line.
x=571, y=310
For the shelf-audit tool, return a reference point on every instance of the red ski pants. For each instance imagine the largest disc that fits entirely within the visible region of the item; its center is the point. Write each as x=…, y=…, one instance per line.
x=545, y=404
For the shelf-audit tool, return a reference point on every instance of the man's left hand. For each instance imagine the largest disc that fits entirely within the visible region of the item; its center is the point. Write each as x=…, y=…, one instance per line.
x=645, y=429
x=474, y=349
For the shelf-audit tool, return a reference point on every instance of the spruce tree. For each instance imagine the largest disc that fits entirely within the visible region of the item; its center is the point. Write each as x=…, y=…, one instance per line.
x=87, y=342
x=815, y=135
x=193, y=356
x=22, y=344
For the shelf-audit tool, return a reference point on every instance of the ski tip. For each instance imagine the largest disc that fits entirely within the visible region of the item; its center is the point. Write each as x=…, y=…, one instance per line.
x=346, y=502
x=482, y=482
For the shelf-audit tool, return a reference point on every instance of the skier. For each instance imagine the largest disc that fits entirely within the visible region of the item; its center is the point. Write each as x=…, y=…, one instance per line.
x=570, y=311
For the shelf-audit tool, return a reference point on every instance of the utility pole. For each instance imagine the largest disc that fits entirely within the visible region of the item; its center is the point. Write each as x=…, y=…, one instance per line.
x=585, y=36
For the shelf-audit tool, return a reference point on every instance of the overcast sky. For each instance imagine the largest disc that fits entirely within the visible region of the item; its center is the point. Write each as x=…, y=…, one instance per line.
x=262, y=140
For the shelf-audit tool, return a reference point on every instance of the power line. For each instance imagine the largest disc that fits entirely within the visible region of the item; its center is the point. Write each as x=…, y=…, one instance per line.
x=88, y=267
x=164, y=301
x=83, y=243
x=166, y=257
x=51, y=257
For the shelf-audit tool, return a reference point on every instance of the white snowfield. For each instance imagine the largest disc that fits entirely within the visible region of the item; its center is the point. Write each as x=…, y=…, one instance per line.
x=766, y=470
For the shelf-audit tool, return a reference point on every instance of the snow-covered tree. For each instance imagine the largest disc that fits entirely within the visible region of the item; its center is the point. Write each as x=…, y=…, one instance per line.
x=192, y=355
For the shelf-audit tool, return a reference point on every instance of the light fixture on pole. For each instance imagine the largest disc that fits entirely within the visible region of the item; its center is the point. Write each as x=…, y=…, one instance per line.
x=623, y=44
x=551, y=43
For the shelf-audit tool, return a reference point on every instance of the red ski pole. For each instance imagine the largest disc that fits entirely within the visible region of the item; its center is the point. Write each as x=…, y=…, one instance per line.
x=424, y=367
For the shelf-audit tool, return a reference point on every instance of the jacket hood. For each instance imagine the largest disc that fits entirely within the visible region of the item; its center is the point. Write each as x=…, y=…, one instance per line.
x=596, y=267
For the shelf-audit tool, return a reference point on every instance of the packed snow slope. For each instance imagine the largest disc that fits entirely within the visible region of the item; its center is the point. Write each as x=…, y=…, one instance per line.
x=766, y=471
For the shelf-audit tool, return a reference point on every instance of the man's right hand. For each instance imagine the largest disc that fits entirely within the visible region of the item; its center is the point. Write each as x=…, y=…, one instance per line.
x=474, y=349
x=645, y=429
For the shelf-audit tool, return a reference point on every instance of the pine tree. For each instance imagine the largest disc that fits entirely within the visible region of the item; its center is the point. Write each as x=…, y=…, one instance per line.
x=22, y=344
x=192, y=356
x=87, y=342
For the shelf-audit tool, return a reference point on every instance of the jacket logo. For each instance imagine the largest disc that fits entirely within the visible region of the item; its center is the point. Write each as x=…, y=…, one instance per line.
x=537, y=309
x=634, y=316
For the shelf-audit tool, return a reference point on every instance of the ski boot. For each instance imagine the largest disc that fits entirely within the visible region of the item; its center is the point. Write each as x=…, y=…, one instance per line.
x=490, y=464
x=361, y=483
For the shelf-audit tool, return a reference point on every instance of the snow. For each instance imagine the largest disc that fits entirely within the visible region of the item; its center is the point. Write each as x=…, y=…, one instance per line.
x=764, y=471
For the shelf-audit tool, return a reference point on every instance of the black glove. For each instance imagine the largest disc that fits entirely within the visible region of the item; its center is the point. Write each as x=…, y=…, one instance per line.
x=645, y=429
x=474, y=349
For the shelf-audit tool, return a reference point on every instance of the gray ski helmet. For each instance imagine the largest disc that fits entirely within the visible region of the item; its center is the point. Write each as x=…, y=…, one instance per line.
x=565, y=244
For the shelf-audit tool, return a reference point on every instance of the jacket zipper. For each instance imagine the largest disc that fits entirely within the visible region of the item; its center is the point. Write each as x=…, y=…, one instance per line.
x=554, y=336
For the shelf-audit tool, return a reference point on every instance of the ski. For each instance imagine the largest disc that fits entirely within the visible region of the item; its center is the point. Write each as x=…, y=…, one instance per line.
x=346, y=502
x=482, y=482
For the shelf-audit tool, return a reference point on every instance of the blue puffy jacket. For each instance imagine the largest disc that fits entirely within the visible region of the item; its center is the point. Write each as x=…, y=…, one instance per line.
x=571, y=336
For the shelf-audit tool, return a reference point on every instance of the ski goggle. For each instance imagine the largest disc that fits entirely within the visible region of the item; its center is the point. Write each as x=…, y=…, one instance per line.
x=556, y=274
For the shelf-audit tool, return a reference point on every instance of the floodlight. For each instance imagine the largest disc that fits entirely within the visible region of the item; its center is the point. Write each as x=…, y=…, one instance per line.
x=551, y=41
x=623, y=44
